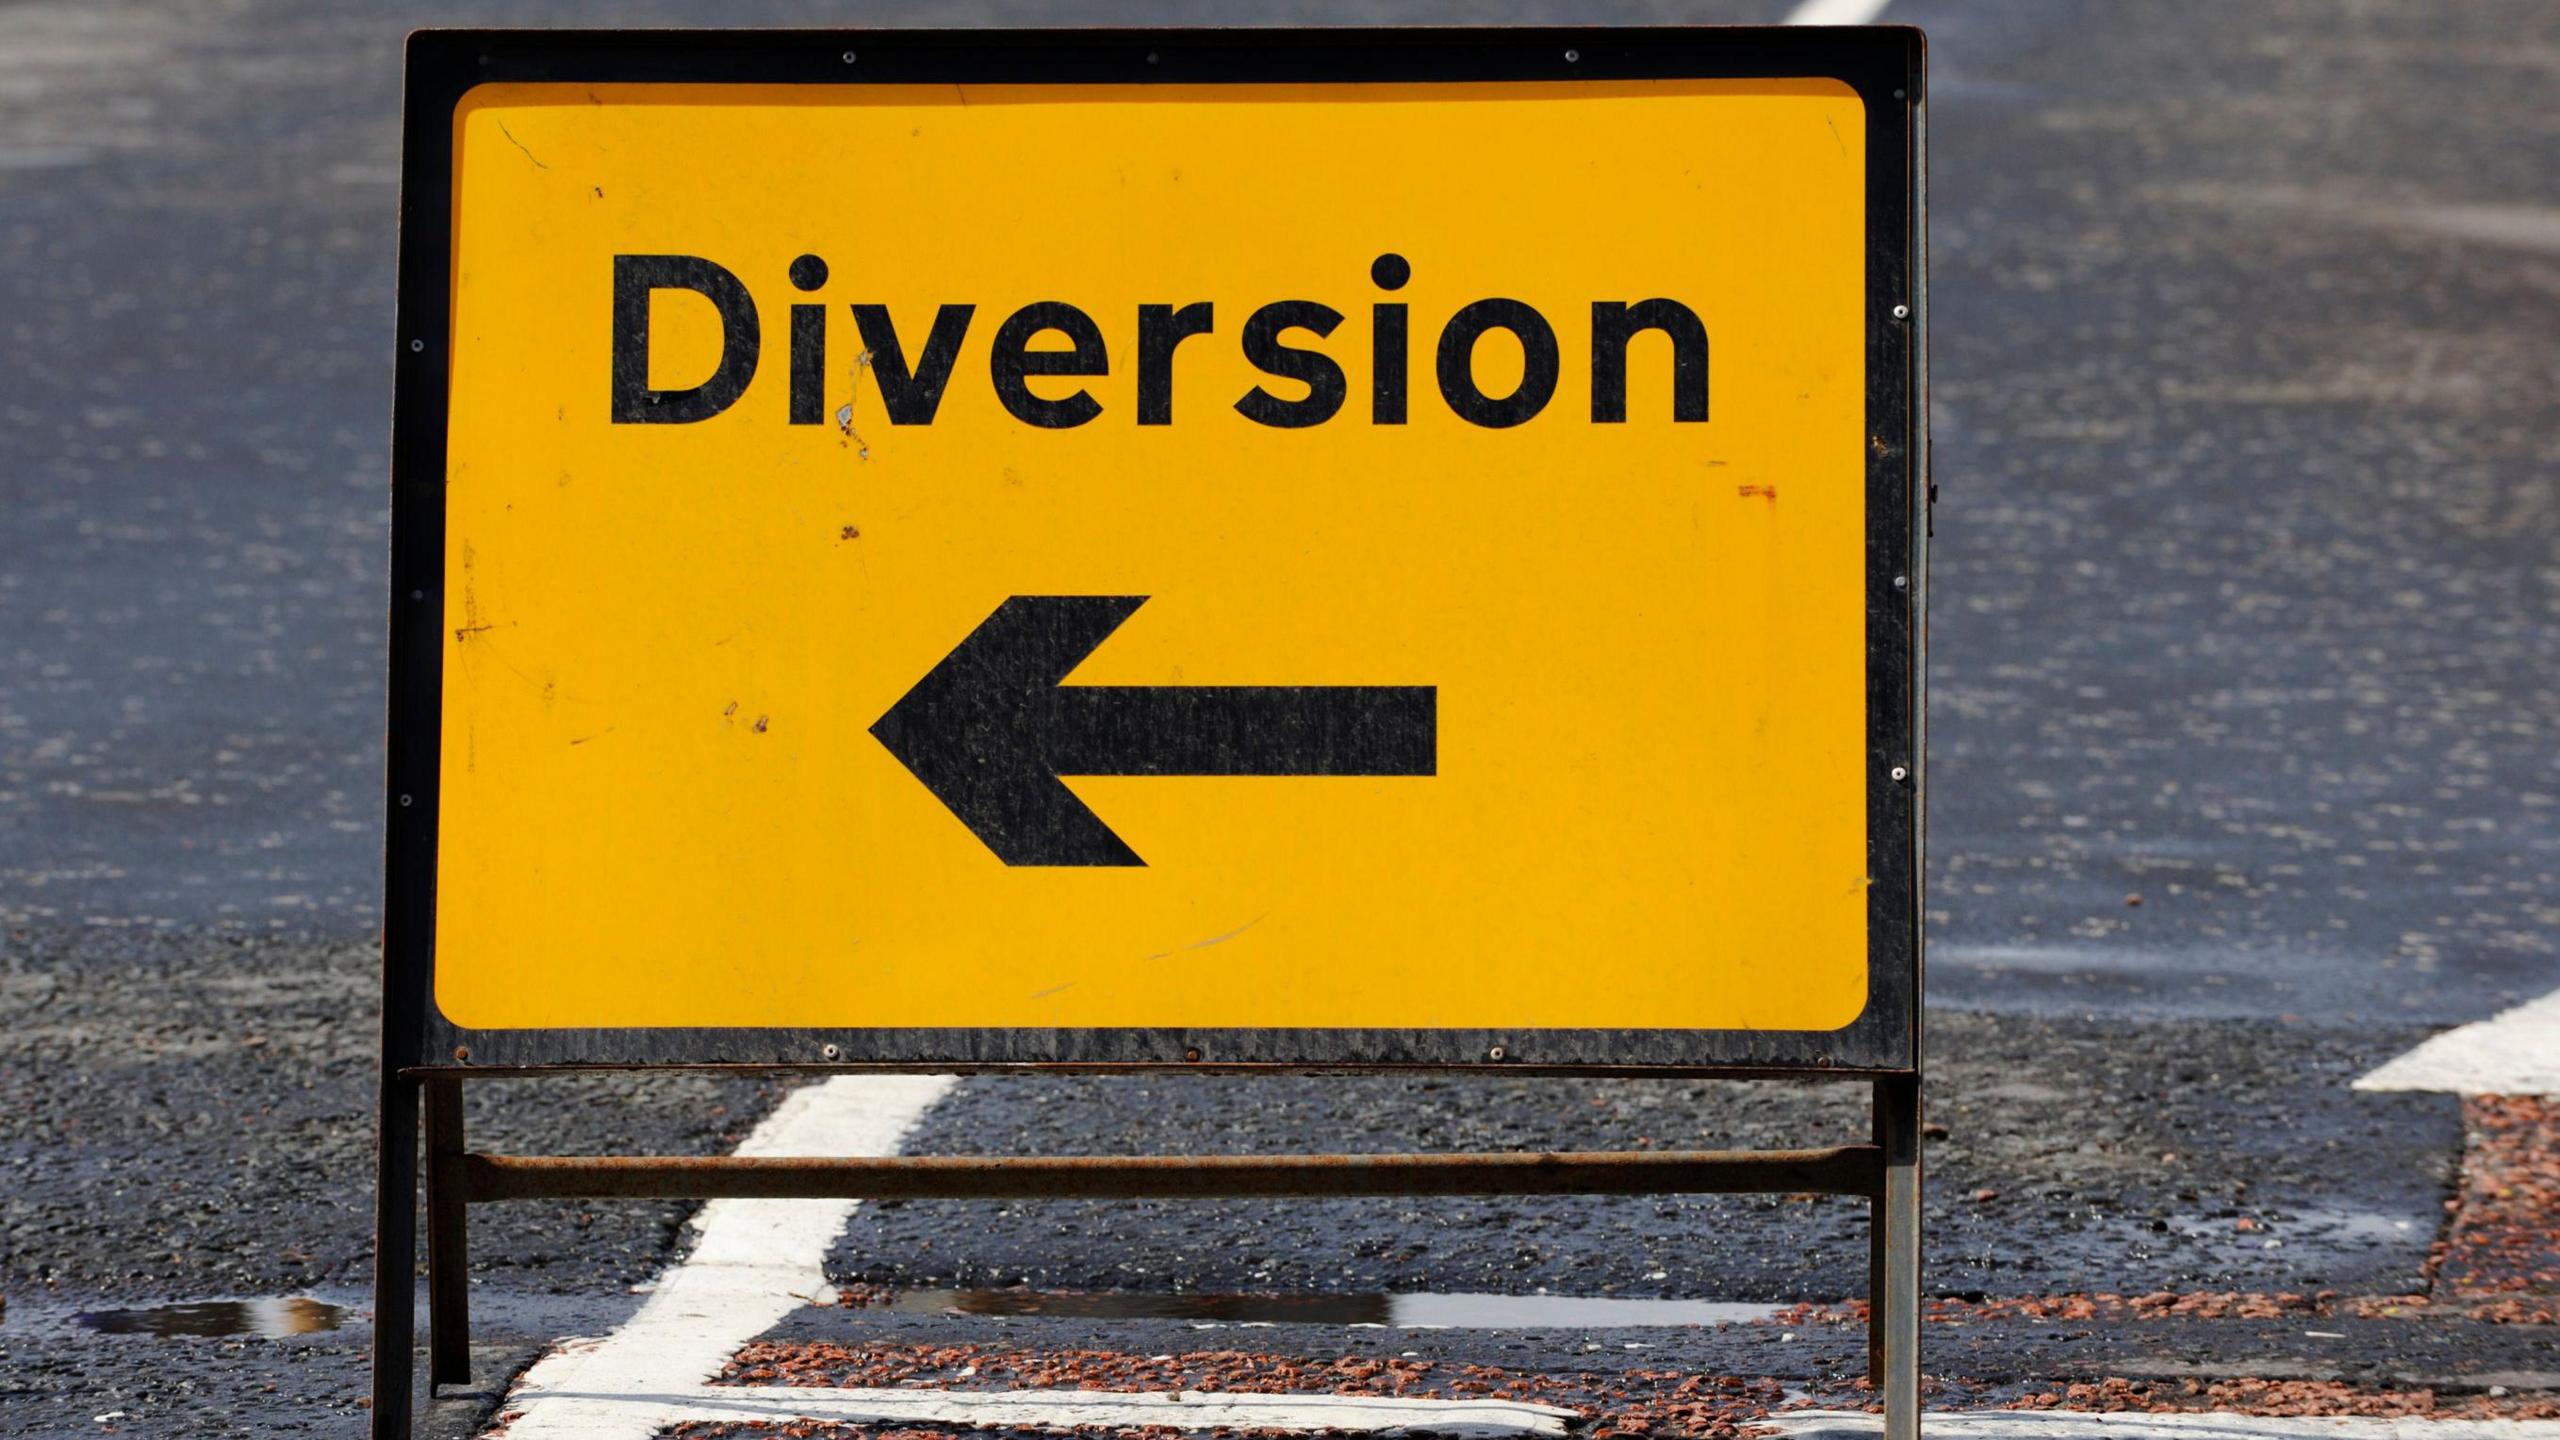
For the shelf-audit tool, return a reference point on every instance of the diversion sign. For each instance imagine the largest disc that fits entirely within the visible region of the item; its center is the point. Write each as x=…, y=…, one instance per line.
x=1336, y=548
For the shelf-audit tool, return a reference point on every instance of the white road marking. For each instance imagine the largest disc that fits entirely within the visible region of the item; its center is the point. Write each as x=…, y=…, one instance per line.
x=2516, y=1052
x=1837, y=12
x=757, y=1261
x=2210, y=1425
x=754, y=1262
x=642, y=1414
x=1562, y=1312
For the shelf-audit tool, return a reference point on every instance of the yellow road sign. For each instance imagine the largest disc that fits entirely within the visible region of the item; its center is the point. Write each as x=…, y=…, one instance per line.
x=1184, y=557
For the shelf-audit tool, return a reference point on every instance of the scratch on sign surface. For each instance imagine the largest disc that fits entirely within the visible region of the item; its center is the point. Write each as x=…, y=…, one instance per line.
x=844, y=412
x=528, y=154
x=1212, y=940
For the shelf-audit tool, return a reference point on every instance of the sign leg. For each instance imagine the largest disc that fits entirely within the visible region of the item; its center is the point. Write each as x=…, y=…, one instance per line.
x=448, y=1240
x=1895, y=1341
x=1875, y=1253
x=395, y=1256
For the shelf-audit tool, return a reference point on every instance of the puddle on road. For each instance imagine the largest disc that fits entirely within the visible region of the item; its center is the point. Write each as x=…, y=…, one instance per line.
x=1407, y=1312
x=2306, y=1224
x=270, y=1319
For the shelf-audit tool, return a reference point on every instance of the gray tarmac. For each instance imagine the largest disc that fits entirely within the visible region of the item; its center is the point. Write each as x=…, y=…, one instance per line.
x=2246, y=325
x=2093, y=1149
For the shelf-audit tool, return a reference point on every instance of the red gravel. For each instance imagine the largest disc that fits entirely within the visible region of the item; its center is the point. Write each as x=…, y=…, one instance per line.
x=1635, y=1402
x=2536, y=1306
x=2158, y=1305
x=2500, y=1257
x=2284, y=1397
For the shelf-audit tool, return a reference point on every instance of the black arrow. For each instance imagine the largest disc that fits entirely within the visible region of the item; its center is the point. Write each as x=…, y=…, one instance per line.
x=990, y=730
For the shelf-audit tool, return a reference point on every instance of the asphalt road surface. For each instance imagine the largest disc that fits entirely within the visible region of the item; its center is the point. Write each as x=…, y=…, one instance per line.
x=2246, y=675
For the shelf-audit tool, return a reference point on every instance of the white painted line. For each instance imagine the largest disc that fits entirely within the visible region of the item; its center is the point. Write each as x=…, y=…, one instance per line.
x=1563, y=1312
x=2513, y=1053
x=1837, y=12
x=641, y=1413
x=2210, y=1425
x=757, y=1261
x=754, y=1262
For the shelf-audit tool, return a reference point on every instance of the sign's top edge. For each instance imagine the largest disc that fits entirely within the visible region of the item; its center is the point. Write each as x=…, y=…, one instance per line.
x=1875, y=58
x=1866, y=41
x=992, y=33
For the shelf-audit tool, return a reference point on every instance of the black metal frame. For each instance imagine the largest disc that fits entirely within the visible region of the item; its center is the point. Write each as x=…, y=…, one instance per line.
x=425, y=1055
x=1883, y=65
x=1885, y=1172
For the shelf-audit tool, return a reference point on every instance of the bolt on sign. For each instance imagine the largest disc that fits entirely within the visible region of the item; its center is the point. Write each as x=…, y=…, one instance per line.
x=1138, y=548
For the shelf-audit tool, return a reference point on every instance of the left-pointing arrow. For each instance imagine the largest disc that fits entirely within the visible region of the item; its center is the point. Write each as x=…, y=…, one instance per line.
x=991, y=728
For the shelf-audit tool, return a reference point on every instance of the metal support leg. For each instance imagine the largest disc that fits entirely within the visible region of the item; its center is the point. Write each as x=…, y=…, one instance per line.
x=395, y=1256
x=1875, y=1253
x=1895, y=1341
x=448, y=1239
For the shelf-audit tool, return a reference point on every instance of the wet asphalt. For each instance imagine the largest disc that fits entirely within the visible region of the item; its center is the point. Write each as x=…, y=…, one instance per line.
x=2247, y=572
x=2093, y=1149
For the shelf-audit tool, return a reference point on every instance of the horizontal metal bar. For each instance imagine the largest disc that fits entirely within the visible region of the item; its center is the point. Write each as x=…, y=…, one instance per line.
x=1509, y=1069
x=1842, y=1170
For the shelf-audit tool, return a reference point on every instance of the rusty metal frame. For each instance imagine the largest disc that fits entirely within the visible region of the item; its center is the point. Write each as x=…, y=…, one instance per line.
x=1840, y=1170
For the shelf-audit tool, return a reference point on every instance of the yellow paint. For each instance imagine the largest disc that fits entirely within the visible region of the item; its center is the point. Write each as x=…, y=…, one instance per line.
x=660, y=804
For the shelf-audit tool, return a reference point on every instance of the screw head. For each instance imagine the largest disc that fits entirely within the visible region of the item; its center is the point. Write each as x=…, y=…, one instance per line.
x=417, y=345
x=1901, y=312
x=1901, y=773
x=848, y=57
x=1901, y=582
x=1573, y=57
x=461, y=1052
x=405, y=801
x=1192, y=1054
x=1495, y=1053
x=829, y=1051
